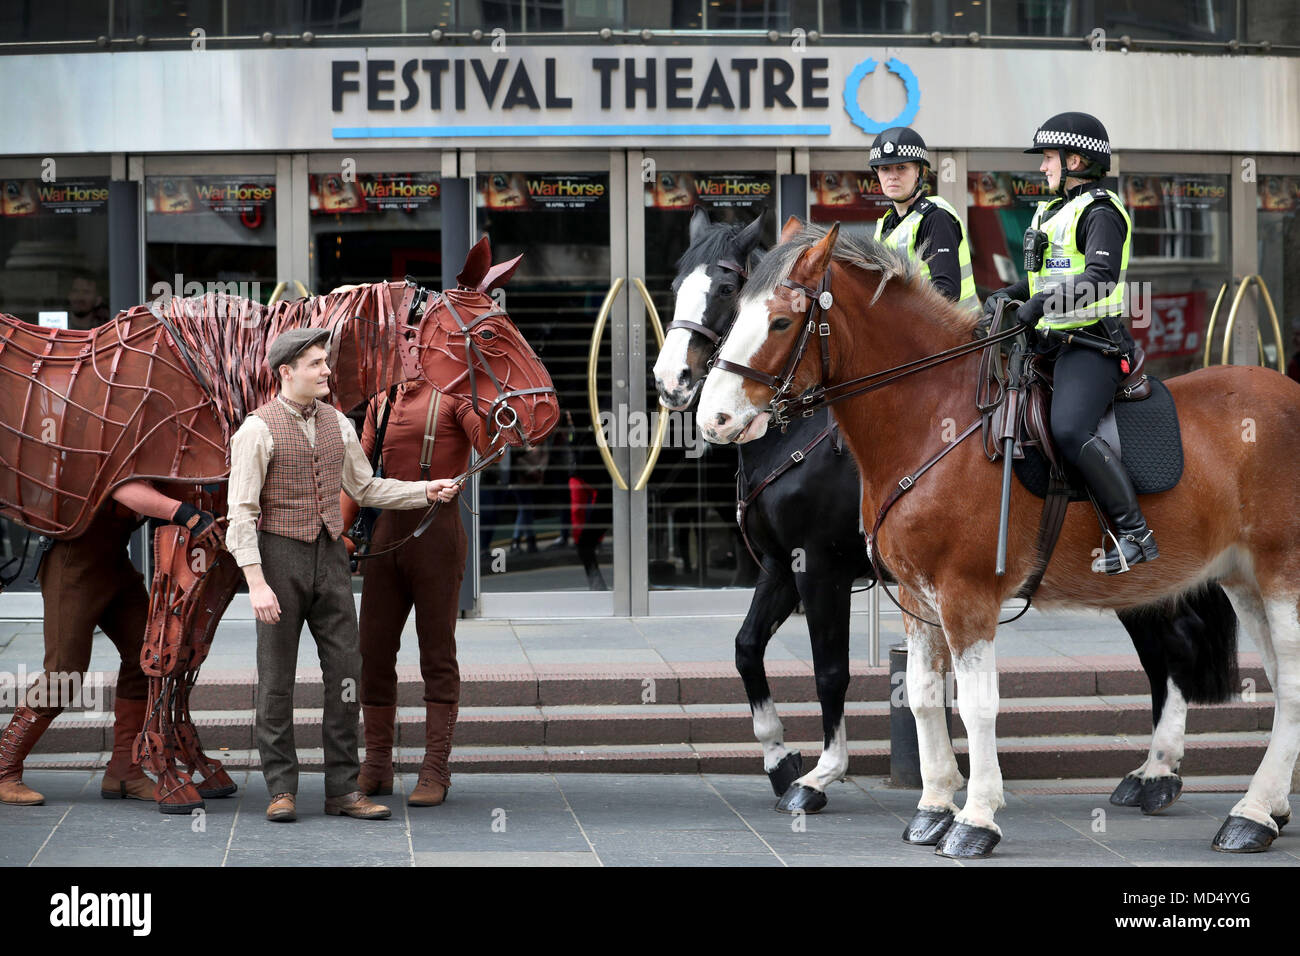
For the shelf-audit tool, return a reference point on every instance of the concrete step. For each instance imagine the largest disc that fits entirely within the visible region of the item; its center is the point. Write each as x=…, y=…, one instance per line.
x=638, y=724
x=686, y=683
x=1021, y=758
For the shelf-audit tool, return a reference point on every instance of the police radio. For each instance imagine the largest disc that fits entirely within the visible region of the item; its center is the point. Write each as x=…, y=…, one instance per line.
x=1035, y=245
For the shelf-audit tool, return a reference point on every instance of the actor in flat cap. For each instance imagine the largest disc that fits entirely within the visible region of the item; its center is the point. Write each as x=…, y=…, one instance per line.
x=288, y=462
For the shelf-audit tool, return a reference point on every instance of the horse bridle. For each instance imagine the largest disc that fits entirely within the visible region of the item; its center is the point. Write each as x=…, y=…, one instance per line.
x=493, y=416
x=732, y=266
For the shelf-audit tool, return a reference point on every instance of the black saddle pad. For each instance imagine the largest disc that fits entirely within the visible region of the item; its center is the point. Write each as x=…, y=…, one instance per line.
x=1151, y=448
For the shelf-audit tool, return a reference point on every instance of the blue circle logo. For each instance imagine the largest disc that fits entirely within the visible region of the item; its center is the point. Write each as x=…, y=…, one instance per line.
x=854, y=83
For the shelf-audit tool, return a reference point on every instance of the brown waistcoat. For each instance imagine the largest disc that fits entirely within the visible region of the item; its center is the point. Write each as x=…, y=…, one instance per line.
x=301, y=490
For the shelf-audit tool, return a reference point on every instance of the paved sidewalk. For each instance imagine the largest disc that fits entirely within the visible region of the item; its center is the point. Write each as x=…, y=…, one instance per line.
x=604, y=820
x=484, y=645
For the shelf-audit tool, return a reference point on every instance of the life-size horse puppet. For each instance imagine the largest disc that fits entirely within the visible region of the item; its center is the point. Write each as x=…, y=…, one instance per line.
x=155, y=395
x=811, y=505
x=898, y=360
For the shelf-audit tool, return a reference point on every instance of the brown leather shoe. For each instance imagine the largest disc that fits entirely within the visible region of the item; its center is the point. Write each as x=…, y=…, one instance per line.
x=376, y=776
x=356, y=804
x=124, y=780
x=17, y=741
x=282, y=809
x=435, y=778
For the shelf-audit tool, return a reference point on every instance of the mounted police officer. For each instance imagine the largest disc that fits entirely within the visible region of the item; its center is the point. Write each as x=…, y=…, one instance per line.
x=921, y=225
x=1076, y=256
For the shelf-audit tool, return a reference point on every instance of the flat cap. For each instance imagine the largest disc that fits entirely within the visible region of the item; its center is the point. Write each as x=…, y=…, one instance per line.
x=289, y=345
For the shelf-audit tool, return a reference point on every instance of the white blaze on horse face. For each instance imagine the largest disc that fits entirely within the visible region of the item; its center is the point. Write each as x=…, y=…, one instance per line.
x=688, y=305
x=724, y=392
x=770, y=733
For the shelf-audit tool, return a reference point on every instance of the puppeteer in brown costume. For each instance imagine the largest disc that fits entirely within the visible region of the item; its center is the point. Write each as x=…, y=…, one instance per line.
x=90, y=582
x=428, y=434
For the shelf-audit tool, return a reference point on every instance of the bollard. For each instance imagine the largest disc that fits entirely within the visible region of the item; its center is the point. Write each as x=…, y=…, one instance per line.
x=904, y=751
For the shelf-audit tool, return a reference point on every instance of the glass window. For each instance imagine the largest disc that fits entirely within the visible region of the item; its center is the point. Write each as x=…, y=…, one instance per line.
x=1278, y=223
x=544, y=516
x=999, y=207
x=851, y=197
x=1180, y=258
x=748, y=14
x=45, y=20
x=1277, y=21
x=375, y=226
x=204, y=230
x=53, y=272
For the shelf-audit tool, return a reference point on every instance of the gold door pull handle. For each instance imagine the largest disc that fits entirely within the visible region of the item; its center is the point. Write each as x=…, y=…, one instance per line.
x=277, y=293
x=1272, y=312
x=661, y=429
x=1214, y=317
x=593, y=356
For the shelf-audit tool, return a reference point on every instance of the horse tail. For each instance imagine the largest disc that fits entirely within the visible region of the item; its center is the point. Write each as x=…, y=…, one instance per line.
x=1193, y=641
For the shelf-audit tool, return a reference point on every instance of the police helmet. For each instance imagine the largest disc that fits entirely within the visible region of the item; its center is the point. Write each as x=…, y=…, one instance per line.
x=898, y=144
x=1079, y=133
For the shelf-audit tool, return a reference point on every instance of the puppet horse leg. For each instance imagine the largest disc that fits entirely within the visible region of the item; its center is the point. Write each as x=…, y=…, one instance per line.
x=179, y=575
x=202, y=613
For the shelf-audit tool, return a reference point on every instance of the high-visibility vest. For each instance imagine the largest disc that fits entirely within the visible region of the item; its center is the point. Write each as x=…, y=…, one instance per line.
x=903, y=238
x=1063, y=260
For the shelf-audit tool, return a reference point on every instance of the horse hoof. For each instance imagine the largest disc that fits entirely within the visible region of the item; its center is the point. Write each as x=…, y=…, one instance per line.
x=1128, y=793
x=1243, y=835
x=927, y=827
x=1160, y=793
x=217, y=785
x=786, y=772
x=966, y=842
x=1281, y=821
x=799, y=797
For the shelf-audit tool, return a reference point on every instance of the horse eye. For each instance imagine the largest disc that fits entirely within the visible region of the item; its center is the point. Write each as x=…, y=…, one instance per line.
x=779, y=325
x=487, y=334
x=499, y=181
x=727, y=290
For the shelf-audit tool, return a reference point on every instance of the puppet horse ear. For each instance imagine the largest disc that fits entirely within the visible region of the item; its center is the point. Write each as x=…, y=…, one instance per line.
x=500, y=274
x=476, y=265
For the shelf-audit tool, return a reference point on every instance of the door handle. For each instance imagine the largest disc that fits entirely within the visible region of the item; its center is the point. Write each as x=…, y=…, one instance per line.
x=1214, y=317
x=661, y=429
x=593, y=356
x=278, y=292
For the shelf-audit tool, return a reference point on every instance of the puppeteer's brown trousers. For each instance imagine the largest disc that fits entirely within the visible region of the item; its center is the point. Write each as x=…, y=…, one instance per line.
x=87, y=583
x=426, y=573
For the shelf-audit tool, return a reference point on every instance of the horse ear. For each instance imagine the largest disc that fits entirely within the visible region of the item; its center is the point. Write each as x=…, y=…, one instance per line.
x=476, y=264
x=699, y=222
x=817, y=259
x=500, y=274
x=791, y=228
x=748, y=237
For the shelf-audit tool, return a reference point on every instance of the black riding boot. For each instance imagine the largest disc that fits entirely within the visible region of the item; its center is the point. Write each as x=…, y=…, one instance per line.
x=1111, y=485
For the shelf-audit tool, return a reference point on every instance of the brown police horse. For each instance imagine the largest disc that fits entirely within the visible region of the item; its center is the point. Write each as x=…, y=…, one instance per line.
x=154, y=396
x=1234, y=517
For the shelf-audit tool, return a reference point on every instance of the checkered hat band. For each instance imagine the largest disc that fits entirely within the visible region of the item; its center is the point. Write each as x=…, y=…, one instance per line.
x=1048, y=137
x=903, y=152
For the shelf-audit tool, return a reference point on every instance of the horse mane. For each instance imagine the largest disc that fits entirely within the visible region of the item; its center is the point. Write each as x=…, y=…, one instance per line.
x=224, y=339
x=863, y=253
x=712, y=246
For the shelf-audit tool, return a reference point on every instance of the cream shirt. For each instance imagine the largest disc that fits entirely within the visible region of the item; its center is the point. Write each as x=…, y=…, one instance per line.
x=250, y=453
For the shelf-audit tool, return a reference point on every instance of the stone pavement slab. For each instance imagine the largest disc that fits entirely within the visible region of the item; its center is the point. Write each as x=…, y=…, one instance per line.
x=611, y=820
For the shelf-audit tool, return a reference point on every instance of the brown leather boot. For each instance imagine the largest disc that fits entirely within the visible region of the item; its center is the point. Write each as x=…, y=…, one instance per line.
x=123, y=779
x=435, y=778
x=376, y=775
x=16, y=743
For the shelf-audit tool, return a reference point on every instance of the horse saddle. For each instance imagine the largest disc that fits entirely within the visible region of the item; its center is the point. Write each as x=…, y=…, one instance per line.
x=1141, y=425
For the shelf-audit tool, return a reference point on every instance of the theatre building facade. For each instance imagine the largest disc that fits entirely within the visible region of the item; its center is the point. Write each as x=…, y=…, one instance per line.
x=281, y=155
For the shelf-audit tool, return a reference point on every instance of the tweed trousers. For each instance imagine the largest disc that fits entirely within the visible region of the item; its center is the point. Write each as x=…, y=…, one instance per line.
x=313, y=585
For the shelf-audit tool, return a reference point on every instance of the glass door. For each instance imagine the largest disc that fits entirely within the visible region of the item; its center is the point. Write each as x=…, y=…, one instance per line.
x=553, y=522
x=686, y=548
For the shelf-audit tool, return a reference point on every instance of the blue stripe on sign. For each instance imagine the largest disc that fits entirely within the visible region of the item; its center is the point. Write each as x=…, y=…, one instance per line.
x=688, y=129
